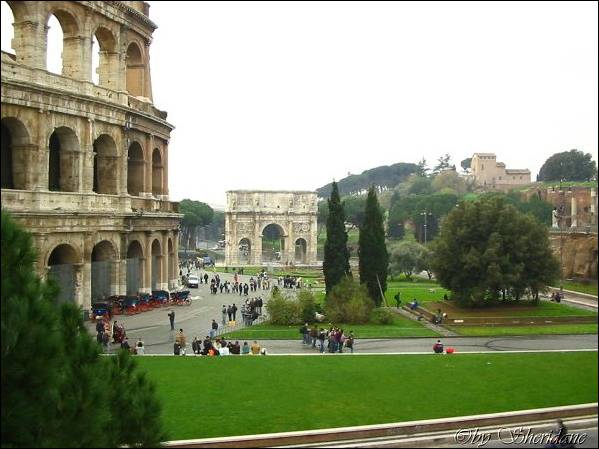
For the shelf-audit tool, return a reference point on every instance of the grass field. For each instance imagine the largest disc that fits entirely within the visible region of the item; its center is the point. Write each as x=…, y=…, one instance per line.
x=553, y=329
x=219, y=396
x=543, y=309
x=589, y=288
x=401, y=327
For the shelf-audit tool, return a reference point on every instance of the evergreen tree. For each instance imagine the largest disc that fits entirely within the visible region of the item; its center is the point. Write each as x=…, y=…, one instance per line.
x=487, y=250
x=374, y=258
x=336, y=254
x=136, y=411
x=56, y=389
x=31, y=347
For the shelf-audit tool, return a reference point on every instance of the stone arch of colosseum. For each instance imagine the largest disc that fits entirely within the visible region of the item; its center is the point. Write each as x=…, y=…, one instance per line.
x=84, y=166
x=270, y=227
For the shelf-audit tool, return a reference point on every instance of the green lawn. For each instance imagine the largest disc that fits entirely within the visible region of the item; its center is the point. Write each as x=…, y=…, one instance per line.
x=589, y=288
x=401, y=327
x=553, y=329
x=521, y=310
x=220, y=396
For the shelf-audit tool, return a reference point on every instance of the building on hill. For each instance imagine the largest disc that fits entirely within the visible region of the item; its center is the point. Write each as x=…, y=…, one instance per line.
x=84, y=164
x=489, y=173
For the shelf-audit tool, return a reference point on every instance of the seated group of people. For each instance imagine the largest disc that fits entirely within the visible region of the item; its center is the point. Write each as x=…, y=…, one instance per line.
x=220, y=347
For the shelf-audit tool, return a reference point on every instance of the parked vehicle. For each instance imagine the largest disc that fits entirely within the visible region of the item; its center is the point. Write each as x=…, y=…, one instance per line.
x=193, y=281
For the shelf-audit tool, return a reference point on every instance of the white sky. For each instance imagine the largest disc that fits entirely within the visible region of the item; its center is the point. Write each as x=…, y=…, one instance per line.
x=289, y=96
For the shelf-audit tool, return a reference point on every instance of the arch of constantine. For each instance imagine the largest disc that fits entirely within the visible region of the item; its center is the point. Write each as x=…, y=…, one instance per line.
x=270, y=226
x=84, y=165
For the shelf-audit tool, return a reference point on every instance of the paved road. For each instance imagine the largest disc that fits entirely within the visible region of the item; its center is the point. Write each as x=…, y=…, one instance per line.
x=195, y=320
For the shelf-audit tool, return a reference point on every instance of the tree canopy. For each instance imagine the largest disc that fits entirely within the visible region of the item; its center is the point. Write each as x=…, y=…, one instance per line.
x=573, y=165
x=195, y=216
x=487, y=250
x=385, y=176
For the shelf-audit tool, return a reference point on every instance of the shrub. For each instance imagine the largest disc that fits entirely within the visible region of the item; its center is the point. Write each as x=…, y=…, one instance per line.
x=381, y=316
x=348, y=302
x=282, y=310
x=308, y=305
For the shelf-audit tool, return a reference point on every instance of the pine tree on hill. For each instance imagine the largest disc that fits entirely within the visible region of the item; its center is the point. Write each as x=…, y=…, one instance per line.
x=336, y=254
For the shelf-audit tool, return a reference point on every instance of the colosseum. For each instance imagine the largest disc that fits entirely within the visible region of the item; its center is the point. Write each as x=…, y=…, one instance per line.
x=85, y=164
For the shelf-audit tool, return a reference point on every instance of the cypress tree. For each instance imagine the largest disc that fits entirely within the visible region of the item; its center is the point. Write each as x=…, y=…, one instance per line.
x=374, y=258
x=336, y=254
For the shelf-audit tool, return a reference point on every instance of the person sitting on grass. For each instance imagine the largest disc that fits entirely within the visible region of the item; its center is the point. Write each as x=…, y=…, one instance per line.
x=414, y=304
x=245, y=349
x=255, y=348
x=438, y=347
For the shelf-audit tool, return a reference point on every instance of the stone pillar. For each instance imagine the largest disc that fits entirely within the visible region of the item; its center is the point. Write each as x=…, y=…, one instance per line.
x=175, y=280
x=147, y=268
x=574, y=212
x=165, y=263
x=108, y=70
x=290, y=242
x=593, y=206
x=256, y=255
x=165, y=172
x=30, y=42
x=147, y=188
x=121, y=282
x=76, y=57
x=312, y=256
x=82, y=285
x=43, y=143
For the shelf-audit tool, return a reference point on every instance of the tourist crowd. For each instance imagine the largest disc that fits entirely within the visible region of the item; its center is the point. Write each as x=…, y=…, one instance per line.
x=331, y=340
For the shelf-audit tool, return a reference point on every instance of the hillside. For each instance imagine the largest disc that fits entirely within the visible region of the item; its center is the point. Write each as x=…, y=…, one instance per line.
x=386, y=176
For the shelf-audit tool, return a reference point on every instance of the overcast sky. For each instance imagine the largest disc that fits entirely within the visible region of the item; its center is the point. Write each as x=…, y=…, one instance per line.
x=293, y=95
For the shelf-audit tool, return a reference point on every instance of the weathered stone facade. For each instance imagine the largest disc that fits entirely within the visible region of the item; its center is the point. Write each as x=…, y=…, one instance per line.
x=85, y=166
x=249, y=213
x=577, y=253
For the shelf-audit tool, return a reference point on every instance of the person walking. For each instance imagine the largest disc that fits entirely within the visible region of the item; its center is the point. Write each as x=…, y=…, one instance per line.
x=398, y=299
x=234, y=310
x=213, y=329
x=171, y=317
x=230, y=312
x=224, y=313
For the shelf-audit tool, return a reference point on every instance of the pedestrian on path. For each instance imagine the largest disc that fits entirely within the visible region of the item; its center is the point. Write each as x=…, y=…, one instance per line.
x=214, y=329
x=234, y=310
x=171, y=317
x=224, y=313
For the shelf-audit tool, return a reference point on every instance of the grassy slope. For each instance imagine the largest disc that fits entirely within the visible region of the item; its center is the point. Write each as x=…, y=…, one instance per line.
x=207, y=397
x=590, y=289
x=554, y=329
x=543, y=309
x=401, y=327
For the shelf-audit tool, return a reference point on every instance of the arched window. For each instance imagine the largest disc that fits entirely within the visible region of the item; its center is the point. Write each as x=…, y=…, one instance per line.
x=61, y=270
x=156, y=172
x=103, y=270
x=135, y=71
x=245, y=251
x=63, y=50
x=134, y=268
x=105, y=165
x=63, y=173
x=8, y=32
x=14, y=149
x=135, y=170
x=105, y=59
x=54, y=46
